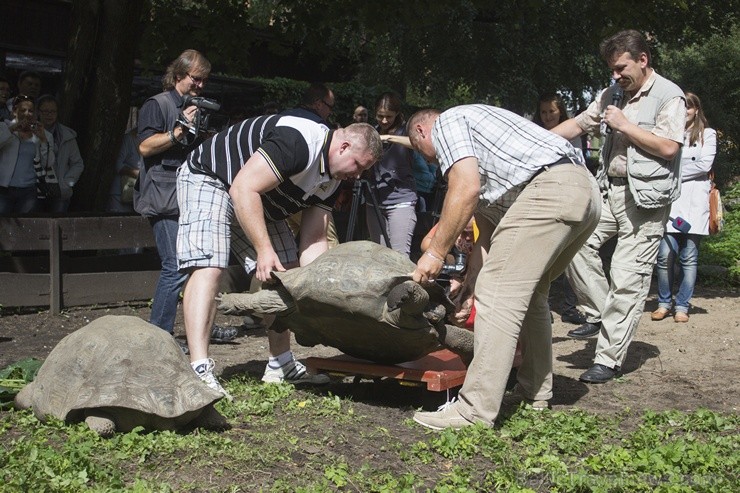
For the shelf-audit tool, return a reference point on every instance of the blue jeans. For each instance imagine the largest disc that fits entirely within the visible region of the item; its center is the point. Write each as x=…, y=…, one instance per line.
x=14, y=200
x=171, y=281
x=686, y=248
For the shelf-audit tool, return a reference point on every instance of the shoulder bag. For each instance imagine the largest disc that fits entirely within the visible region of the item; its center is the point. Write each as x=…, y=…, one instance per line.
x=716, y=211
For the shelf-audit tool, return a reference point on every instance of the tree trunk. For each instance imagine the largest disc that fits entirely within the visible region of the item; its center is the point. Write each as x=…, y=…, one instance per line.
x=97, y=90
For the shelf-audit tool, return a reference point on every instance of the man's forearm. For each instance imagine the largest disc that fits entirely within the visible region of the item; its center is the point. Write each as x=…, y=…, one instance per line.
x=251, y=217
x=397, y=139
x=569, y=129
x=458, y=207
x=158, y=143
x=651, y=143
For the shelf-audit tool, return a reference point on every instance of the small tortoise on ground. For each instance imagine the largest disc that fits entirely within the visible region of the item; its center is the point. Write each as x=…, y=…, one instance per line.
x=117, y=373
x=360, y=299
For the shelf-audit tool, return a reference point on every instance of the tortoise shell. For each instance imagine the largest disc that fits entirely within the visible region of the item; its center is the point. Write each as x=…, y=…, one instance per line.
x=134, y=370
x=341, y=302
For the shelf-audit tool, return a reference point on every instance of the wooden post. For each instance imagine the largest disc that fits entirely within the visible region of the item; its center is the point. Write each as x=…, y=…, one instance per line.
x=55, y=267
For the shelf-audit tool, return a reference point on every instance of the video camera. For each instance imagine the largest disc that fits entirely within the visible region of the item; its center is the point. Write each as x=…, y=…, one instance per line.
x=202, y=114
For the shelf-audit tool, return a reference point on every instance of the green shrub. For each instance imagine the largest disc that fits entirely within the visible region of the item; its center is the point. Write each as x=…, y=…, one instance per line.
x=724, y=249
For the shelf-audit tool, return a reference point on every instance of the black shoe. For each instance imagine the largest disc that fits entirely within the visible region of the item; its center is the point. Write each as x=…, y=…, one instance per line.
x=221, y=333
x=585, y=331
x=600, y=374
x=573, y=316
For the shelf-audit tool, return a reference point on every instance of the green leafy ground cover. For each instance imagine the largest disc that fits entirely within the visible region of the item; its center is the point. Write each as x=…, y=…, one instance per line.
x=724, y=249
x=288, y=440
x=14, y=377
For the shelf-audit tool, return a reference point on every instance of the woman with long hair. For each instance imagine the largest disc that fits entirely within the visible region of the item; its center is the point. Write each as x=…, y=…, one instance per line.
x=392, y=181
x=699, y=149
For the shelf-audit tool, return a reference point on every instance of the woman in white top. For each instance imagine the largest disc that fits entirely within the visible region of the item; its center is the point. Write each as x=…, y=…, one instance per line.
x=700, y=146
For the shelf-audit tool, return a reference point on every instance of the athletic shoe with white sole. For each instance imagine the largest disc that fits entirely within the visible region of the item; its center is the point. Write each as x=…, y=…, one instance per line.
x=293, y=372
x=205, y=372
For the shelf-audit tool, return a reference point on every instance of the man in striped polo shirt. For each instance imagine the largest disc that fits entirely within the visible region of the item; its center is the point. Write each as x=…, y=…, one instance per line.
x=260, y=171
x=535, y=204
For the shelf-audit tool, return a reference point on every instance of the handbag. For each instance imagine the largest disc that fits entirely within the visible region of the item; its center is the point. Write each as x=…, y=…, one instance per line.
x=155, y=193
x=48, y=189
x=716, y=211
x=47, y=184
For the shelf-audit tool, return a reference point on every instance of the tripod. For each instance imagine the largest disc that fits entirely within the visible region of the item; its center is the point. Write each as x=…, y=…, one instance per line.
x=358, y=188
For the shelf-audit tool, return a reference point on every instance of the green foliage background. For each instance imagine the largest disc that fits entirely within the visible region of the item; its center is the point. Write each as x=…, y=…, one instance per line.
x=724, y=249
x=711, y=69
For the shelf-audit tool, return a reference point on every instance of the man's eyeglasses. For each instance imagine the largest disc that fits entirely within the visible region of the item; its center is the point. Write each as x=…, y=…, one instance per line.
x=330, y=106
x=198, y=81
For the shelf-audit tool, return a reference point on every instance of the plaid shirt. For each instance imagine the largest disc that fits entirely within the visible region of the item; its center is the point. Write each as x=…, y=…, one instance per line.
x=509, y=148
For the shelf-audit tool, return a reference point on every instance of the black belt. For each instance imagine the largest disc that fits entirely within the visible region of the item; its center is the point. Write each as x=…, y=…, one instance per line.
x=617, y=180
x=563, y=160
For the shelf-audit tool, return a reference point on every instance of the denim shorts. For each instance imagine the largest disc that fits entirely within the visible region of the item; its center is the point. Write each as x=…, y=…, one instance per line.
x=208, y=228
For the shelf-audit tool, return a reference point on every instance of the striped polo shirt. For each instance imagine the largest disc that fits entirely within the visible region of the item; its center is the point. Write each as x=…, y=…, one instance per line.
x=296, y=150
x=509, y=148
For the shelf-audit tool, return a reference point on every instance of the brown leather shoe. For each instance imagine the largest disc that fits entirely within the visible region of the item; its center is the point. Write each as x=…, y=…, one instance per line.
x=681, y=317
x=659, y=314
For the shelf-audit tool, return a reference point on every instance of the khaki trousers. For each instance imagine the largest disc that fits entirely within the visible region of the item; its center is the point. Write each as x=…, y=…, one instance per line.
x=531, y=246
x=618, y=305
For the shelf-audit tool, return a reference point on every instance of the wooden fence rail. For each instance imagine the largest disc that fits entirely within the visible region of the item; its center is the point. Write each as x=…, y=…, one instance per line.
x=71, y=261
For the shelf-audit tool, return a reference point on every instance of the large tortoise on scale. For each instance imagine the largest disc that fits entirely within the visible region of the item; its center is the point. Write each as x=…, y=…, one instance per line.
x=360, y=299
x=118, y=373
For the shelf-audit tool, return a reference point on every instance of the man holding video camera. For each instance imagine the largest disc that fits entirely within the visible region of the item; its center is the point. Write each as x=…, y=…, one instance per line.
x=167, y=133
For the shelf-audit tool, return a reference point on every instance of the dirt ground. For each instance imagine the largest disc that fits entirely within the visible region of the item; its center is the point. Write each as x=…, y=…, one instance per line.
x=669, y=365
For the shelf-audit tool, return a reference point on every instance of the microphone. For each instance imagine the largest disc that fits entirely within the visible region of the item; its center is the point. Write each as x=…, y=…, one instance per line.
x=200, y=102
x=680, y=224
x=617, y=96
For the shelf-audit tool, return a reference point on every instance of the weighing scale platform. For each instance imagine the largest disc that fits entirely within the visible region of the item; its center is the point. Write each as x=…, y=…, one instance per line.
x=440, y=370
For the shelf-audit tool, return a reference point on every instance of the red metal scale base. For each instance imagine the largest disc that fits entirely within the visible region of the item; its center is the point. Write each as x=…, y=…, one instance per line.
x=440, y=370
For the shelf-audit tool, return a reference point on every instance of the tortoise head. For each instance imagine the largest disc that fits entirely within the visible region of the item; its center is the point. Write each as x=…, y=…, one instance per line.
x=409, y=296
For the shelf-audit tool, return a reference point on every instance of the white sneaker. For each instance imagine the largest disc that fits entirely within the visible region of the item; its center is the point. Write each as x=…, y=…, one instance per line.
x=293, y=372
x=205, y=372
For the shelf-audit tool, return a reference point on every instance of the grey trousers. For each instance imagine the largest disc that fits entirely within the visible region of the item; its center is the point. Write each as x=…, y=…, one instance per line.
x=531, y=246
x=618, y=305
x=398, y=224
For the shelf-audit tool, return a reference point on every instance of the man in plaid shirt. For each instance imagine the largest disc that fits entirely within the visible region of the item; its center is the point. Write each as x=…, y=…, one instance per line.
x=535, y=204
